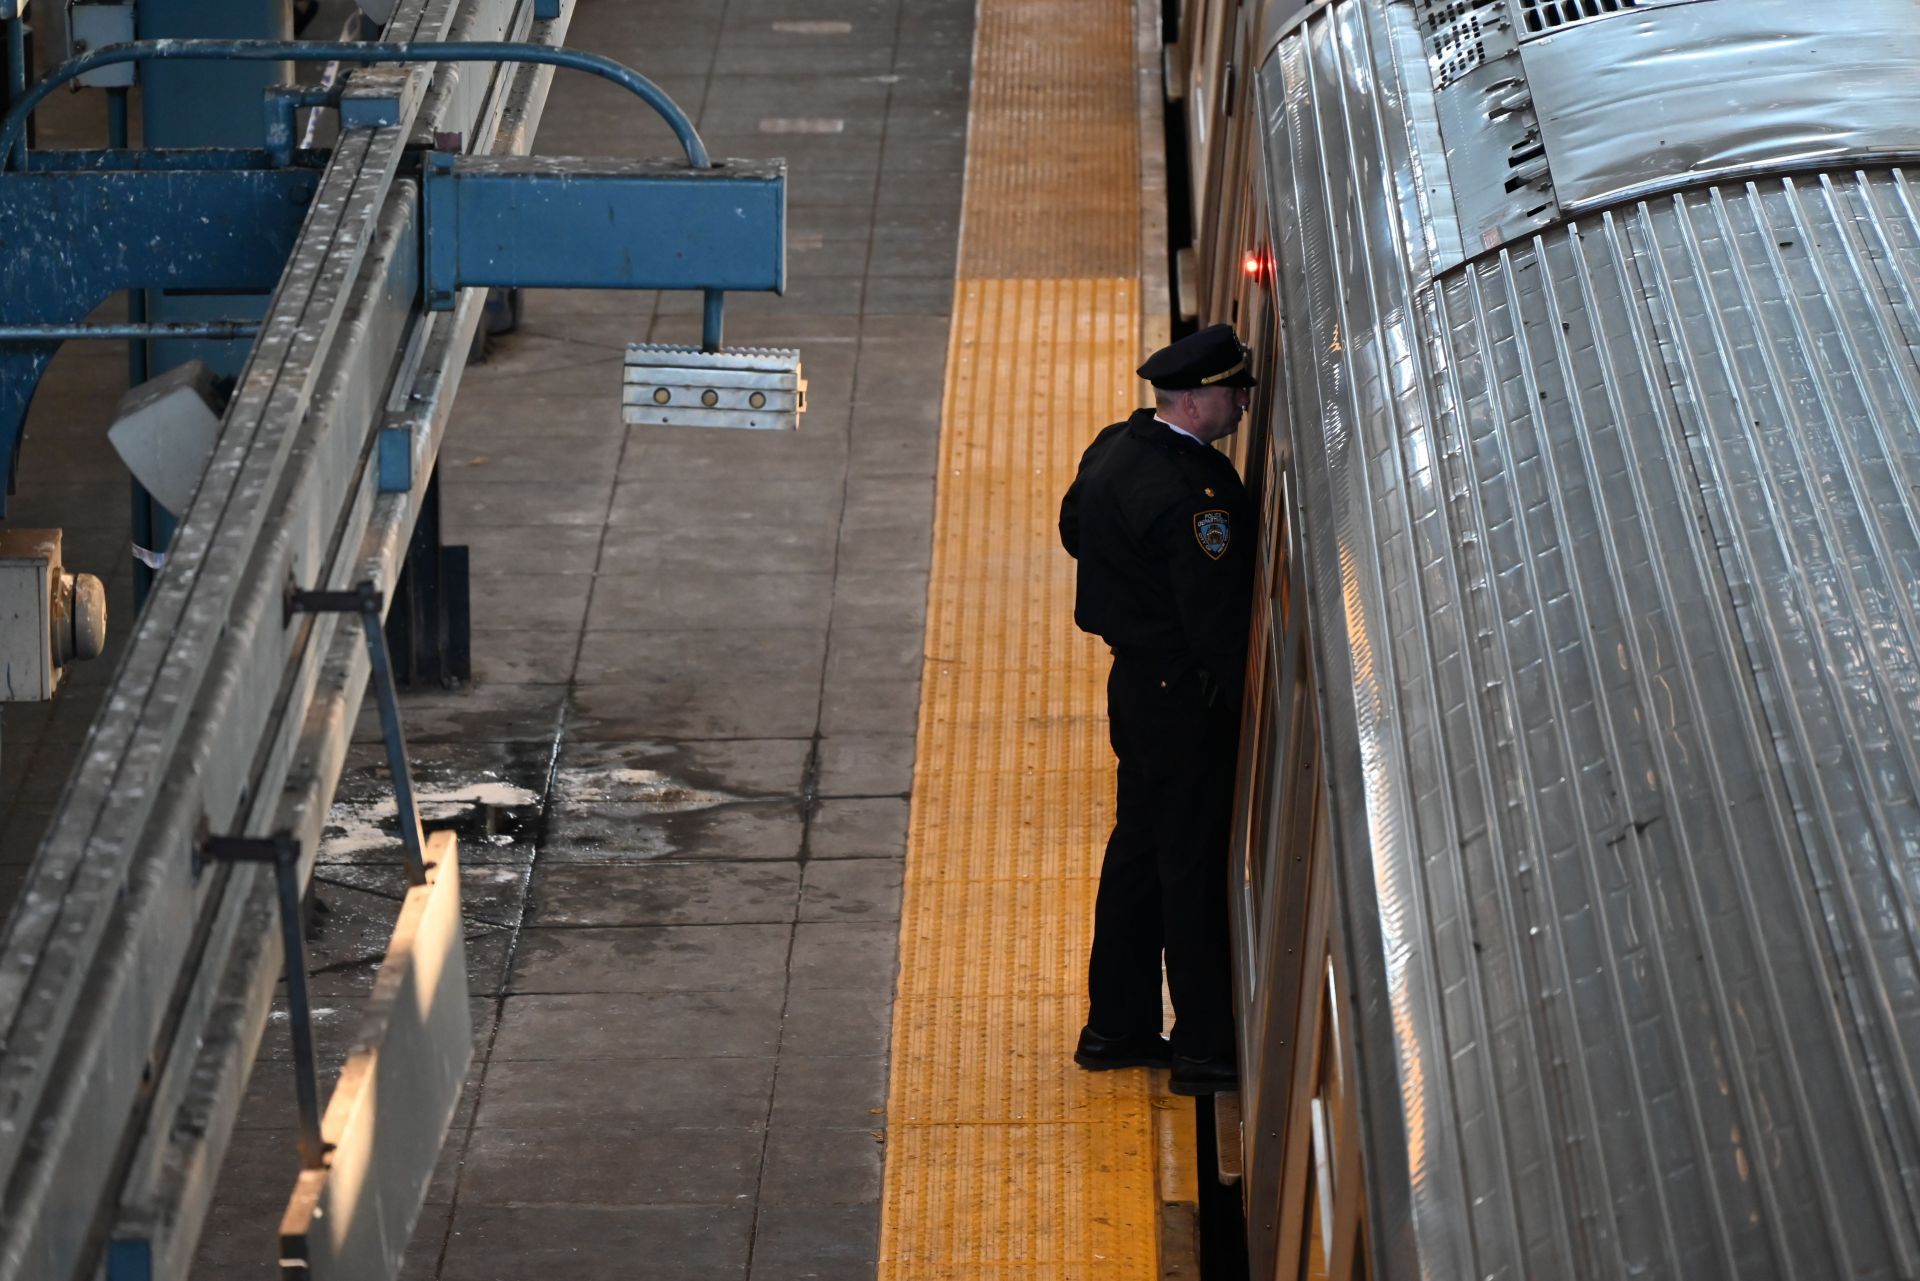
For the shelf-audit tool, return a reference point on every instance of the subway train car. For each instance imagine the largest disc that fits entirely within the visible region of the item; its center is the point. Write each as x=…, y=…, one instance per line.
x=1577, y=878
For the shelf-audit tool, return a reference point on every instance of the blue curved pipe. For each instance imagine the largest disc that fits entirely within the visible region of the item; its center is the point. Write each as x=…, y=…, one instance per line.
x=370, y=52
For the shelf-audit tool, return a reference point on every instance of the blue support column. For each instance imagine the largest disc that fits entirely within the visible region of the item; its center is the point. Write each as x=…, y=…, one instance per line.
x=17, y=68
x=209, y=104
x=203, y=104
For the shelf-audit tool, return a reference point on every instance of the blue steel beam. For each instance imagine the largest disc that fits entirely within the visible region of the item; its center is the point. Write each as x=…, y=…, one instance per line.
x=138, y=331
x=184, y=159
x=566, y=223
x=70, y=239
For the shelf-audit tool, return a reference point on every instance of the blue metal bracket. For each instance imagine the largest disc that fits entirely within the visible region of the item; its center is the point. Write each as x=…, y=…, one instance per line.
x=81, y=226
x=565, y=223
x=130, y=1260
x=395, y=460
x=88, y=225
x=283, y=104
x=370, y=604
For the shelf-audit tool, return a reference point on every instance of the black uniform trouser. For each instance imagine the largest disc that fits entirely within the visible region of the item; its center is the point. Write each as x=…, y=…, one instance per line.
x=1164, y=882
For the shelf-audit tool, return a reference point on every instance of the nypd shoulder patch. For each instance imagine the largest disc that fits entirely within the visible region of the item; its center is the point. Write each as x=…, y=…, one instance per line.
x=1212, y=531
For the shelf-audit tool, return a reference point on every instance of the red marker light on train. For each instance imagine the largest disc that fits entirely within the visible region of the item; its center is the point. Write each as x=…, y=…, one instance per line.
x=1253, y=265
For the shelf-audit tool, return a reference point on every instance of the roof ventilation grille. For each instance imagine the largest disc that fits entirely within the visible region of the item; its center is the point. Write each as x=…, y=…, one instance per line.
x=1539, y=16
x=1457, y=33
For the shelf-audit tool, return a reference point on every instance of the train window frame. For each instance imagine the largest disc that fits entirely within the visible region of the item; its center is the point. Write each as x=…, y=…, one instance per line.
x=1257, y=808
x=1256, y=322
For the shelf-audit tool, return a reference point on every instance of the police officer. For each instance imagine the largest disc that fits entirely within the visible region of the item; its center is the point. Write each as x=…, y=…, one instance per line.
x=1163, y=532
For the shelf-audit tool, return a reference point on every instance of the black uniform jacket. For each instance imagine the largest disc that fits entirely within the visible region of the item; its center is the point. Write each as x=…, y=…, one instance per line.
x=1164, y=533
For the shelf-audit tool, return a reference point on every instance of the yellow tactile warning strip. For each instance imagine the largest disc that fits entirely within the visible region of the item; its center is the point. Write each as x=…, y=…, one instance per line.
x=1004, y=1161
x=1053, y=149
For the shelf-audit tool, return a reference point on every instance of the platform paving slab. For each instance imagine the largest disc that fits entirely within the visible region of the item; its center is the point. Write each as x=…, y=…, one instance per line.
x=714, y=893
x=709, y=705
x=816, y=1243
x=511, y=1241
x=851, y=705
x=652, y=958
x=826, y=1093
x=593, y=1163
x=859, y=827
x=835, y=1022
x=821, y=1167
x=851, y=890
x=638, y=1097
x=667, y=653
x=642, y=832
x=879, y=598
x=554, y=598
x=845, y=955
x=860, y=654
x=683, y=597
x=639, y=1025
x=510, y=549
x=866, y=765
x=497, y=712
x=672, y=772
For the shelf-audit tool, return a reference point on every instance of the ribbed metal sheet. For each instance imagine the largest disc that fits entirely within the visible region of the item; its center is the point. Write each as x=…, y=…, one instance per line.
x=1707, y=92
x=1615, y=537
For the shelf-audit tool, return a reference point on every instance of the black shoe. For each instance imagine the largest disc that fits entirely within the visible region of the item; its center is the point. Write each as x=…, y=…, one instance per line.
x=1204, y=1076
x=1098, y=1053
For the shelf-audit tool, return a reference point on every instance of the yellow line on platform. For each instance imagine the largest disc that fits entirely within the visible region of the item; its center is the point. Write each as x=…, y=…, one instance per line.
x=1005, y=1162
x=1053, y=142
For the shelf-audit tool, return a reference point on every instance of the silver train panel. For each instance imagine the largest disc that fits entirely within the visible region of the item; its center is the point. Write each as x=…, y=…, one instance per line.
x=1712, y=89
x=1554, y=107
x=1614, y=538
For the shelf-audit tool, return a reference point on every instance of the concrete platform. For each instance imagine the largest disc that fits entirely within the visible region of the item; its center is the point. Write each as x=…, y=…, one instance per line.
x=681, y=773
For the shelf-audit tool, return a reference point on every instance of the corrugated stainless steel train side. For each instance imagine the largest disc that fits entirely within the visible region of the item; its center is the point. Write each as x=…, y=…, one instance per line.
x=1578, y=895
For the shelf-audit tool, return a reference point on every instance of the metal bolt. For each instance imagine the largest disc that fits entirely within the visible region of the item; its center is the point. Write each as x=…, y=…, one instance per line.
x=89, y=616
x=79, y=617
